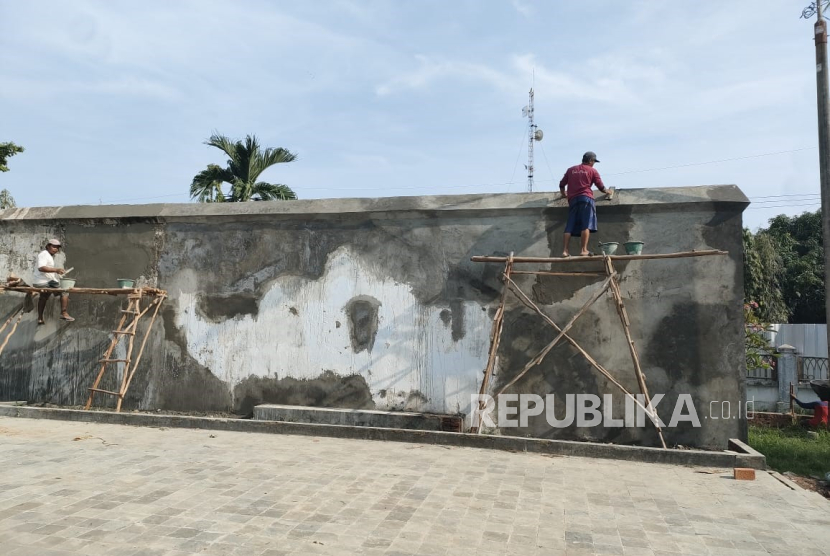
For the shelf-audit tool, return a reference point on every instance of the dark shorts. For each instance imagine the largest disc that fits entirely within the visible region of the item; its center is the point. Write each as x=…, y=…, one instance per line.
x=582, y=215
x=51, y=284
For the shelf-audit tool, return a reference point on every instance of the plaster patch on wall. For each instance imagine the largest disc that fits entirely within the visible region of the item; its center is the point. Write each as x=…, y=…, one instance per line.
x=412, y=350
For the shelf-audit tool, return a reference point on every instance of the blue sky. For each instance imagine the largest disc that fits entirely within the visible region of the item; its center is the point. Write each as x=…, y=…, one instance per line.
x=113, y=100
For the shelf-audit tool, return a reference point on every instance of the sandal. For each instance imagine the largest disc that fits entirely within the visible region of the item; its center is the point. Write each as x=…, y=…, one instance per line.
x=67, y=318
x=40, y=321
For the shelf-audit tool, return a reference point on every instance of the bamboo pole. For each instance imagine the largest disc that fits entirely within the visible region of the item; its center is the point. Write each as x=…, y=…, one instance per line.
x=12, y=331
x=602, y=370
x=158, y=303
x=495, y=338
x=682, y=254
x=641, y=378
x=14, y=314
x=541, y=355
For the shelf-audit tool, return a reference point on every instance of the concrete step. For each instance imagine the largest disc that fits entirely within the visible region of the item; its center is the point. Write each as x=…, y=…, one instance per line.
x=359, y=417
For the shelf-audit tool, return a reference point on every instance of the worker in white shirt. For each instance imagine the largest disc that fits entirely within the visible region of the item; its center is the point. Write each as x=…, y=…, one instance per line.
x=46, y=276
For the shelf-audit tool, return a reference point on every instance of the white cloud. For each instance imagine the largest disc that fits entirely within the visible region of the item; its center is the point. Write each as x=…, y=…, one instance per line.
x=431, y=70
x=522, y=7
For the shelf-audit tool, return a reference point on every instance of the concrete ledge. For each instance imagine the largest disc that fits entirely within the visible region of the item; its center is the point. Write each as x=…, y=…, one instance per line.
x=358, y=417
x=747, y=456
x=506, y=443
x=397, y=207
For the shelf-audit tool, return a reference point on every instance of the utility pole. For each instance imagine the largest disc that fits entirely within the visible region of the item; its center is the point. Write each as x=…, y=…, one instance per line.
x=823, y=149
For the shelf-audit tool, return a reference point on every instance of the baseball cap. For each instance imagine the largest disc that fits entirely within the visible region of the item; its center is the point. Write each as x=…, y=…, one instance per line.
x=590, y=155
x=54, y=242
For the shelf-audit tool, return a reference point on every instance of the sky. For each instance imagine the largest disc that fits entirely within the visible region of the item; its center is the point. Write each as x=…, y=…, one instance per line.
x=113, y=100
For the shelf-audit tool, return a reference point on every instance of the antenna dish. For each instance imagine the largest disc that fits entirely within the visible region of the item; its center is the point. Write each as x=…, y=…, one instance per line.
x=538, y=135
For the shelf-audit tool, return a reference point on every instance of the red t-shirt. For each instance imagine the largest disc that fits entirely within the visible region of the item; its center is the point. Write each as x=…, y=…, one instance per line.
x=579, y=180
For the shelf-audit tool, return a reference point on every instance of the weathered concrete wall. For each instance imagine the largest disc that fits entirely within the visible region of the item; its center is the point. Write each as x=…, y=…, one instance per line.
x=375, y=303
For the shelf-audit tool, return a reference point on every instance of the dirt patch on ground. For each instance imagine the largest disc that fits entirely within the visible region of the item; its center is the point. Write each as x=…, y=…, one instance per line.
x=810, y=483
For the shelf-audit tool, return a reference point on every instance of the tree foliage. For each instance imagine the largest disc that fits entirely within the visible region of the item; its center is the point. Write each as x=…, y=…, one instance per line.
x=246, y=161
x=784, y=269
x=8, y=150
x=758, y=349
x=6, y=200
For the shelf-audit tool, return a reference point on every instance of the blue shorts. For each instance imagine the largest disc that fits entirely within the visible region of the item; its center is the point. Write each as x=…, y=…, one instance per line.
x=582, y=215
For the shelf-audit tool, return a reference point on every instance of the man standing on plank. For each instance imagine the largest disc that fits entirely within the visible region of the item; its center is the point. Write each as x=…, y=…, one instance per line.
x=582, y=214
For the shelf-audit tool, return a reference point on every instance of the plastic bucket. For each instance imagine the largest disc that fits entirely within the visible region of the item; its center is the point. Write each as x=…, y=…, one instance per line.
x=67, y=283
x=634, y=247
x=609, y=248
x=126, y=283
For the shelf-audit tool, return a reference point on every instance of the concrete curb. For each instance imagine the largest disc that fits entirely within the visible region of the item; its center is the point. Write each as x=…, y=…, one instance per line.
x=702, y=458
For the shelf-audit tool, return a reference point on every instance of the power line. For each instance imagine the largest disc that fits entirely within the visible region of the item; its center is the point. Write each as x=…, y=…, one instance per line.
x=785, y=206
x=713, y=161
x=789, y=195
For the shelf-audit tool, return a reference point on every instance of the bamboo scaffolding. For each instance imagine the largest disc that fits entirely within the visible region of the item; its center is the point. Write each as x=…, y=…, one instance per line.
x=611, y=283
x=641, y=377
x=129, y=317
x=602, y=370
x=495, y=338
x=158, y=301
x=541, y=355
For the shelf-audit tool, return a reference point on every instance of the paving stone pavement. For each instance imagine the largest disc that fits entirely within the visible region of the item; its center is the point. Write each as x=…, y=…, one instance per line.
x=79, y=488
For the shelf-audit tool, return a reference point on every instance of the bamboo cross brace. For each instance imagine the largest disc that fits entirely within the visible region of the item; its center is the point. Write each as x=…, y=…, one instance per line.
x=158, y=303
x=541, y=355
x=602, y=370
x=641, y=379
x=19, y=314
x=495, y=338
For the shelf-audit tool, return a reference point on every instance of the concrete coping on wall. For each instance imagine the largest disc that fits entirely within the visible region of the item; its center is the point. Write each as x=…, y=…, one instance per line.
x=739, y=454
x=650, y=199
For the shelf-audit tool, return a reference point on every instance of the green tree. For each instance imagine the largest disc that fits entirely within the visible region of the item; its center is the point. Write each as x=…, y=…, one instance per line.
x=6, y=200
x=246, y=161
x=8, y=150
x=798, y=240
x=784, y=269
x=763, y=276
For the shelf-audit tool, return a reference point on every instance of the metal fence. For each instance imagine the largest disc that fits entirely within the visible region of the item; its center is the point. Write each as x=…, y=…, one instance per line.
x=812, y=368
x=770, y=373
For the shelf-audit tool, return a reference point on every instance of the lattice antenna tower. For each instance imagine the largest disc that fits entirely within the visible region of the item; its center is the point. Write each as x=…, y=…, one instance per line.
x=533, y=134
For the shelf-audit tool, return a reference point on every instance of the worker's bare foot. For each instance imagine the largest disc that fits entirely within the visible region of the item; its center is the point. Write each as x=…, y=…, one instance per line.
x=66, y=317
x=565, y=254
x=585, y=254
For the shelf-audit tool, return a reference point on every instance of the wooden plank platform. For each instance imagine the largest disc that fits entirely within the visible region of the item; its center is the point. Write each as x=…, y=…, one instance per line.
x=90, y=291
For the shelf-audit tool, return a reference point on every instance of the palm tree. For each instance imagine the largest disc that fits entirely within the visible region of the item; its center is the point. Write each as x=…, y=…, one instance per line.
x=246, y=162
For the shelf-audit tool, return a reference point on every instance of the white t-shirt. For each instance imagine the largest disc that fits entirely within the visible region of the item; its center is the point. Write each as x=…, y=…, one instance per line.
x=44, y=259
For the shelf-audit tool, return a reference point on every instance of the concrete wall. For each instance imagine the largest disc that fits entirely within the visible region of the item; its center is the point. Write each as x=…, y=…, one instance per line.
x=375, y=303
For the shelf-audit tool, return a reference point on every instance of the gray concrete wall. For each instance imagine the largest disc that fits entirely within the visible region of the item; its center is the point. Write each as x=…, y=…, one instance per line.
x=374, y=303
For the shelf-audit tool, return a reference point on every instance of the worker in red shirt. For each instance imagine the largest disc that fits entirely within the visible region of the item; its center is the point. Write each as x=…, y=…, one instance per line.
x=582, y=214
x=820, y=411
